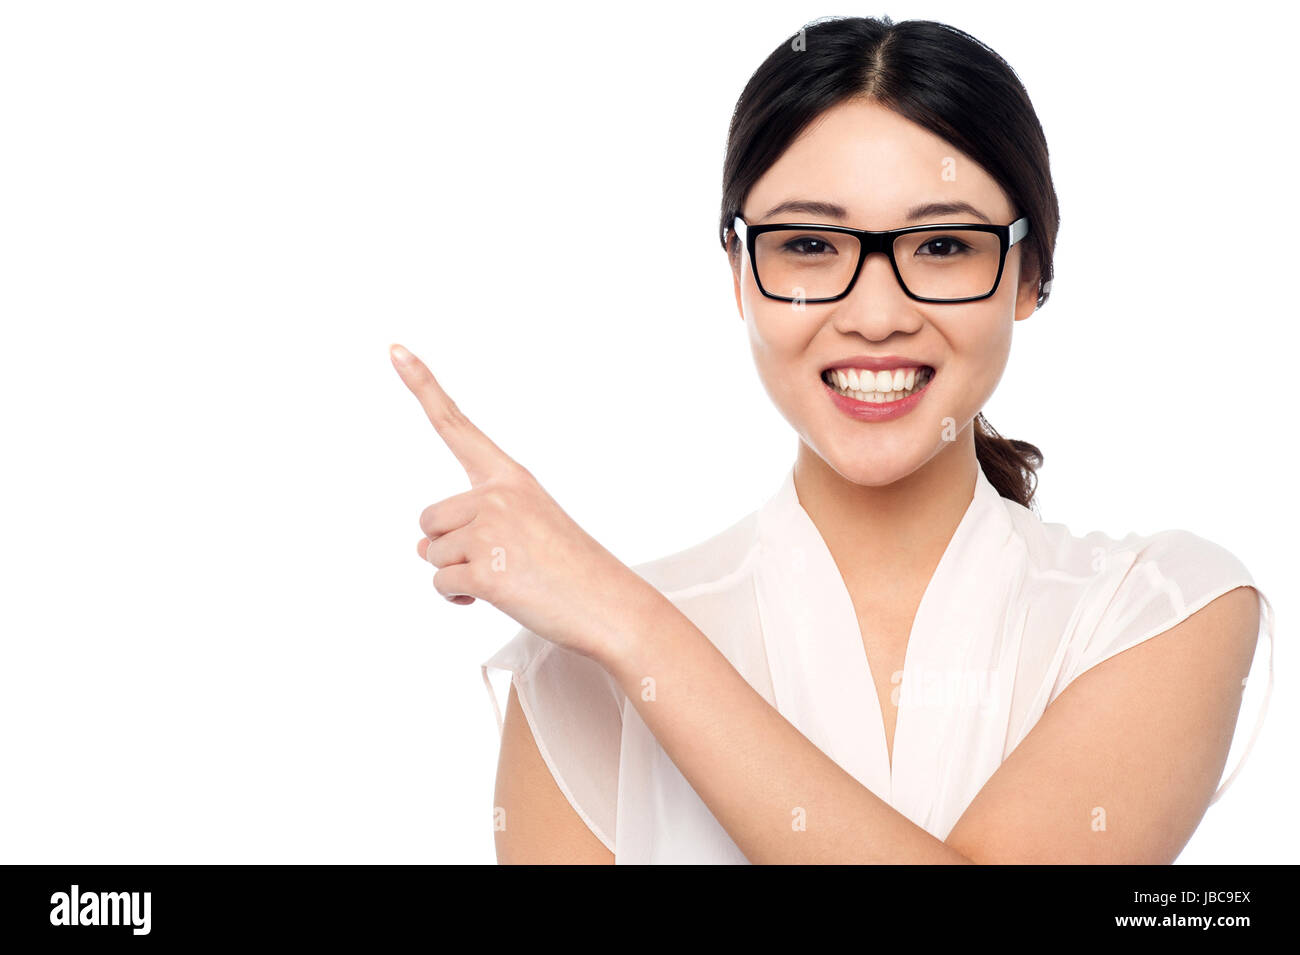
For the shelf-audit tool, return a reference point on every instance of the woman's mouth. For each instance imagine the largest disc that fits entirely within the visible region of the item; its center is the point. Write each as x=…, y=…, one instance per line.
x=867, y=395
x=878, y=387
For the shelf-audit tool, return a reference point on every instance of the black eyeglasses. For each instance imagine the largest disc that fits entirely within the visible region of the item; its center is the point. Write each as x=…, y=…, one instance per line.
x=793, y=262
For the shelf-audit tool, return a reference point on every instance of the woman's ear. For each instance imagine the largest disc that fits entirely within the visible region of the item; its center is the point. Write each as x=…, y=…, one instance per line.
x=734, y=261
x=1027, y=294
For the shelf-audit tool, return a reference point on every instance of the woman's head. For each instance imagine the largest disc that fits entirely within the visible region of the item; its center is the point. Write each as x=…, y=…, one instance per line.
x=870, y=120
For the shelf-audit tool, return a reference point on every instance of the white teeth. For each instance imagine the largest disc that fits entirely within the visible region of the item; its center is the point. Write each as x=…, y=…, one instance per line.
x=879, y=387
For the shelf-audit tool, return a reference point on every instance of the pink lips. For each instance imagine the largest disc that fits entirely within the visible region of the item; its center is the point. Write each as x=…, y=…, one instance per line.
x=876, y=411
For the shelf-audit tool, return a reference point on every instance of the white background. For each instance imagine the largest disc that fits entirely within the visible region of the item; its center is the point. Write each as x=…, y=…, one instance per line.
x=219, y=644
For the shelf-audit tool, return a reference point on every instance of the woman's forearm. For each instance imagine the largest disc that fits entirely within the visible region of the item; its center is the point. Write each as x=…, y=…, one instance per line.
x=780, y=798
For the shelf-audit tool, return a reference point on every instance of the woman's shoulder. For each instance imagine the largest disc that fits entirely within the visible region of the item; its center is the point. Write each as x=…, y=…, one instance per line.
x=1054, y=552
x=1093, y=594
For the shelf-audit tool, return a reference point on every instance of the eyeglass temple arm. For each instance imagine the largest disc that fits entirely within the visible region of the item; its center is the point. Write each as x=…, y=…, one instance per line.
x=738, y=227
x=1019, y=229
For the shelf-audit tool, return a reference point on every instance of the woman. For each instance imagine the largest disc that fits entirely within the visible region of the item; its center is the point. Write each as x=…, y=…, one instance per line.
x=893, y=659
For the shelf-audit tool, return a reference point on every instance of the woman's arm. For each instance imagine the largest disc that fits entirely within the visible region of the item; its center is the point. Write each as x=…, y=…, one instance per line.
x=1142, y=736
x=540, y=825
x=1122, y=766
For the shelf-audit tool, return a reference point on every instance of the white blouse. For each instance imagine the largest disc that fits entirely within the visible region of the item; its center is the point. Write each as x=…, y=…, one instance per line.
x=1016, y=610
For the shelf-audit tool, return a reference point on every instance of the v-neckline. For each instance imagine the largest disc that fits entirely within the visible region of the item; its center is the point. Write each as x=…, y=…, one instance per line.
x=797, y=573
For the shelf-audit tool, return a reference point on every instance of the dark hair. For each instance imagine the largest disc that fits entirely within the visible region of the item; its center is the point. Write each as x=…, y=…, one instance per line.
x=940, y=78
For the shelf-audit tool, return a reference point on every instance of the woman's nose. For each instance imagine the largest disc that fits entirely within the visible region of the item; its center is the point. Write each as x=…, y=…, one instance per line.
x=876, y=305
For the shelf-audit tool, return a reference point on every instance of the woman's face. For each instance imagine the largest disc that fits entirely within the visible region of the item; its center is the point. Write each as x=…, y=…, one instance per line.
x=877, y=166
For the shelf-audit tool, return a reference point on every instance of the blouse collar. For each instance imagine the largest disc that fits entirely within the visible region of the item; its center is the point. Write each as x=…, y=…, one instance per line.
x=821, y=680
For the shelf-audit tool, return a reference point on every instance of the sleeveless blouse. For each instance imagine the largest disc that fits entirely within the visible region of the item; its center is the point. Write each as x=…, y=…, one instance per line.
x=1016, y=610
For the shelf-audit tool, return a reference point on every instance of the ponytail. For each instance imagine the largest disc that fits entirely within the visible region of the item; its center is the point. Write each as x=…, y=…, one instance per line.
x=1010, y=465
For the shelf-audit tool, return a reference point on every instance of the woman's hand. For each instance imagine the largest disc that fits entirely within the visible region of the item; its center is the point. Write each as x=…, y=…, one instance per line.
x=507, y=541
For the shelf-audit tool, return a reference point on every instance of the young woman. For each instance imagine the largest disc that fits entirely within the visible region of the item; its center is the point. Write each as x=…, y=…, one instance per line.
x=893, y=659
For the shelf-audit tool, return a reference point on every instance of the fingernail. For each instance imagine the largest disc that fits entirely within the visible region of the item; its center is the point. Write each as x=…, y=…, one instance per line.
x=399, y=353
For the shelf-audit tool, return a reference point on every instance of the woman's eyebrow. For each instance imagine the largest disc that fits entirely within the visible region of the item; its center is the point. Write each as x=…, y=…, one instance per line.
x=830, y=210
x=932, y=209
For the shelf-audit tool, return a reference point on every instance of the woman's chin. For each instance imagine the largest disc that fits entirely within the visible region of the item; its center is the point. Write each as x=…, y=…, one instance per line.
x=876, y=475
x=876, y=467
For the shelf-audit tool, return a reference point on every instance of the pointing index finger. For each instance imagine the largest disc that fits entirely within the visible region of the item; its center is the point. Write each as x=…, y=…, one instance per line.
x=475, y=451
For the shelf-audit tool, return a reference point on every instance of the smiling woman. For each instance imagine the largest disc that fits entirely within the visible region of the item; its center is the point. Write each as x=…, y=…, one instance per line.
x=893, y=658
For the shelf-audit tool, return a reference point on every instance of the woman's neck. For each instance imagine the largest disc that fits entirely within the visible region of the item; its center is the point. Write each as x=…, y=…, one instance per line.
x=887, y=538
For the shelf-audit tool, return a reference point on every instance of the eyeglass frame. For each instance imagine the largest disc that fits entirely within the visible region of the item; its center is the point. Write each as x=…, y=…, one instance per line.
x=868, y=242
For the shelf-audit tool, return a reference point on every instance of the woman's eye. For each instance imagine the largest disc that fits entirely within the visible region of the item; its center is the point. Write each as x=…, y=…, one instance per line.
x=809, y=245
x=942, y=248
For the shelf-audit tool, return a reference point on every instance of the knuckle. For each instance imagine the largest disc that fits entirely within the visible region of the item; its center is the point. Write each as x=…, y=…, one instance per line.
x=504, y=491
x=449, y=416
x=521, y=480
x=440, y=583
x=449, y=580
x=489, y=585
x=429, y=519
x=521, y=473
x=496, y=498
